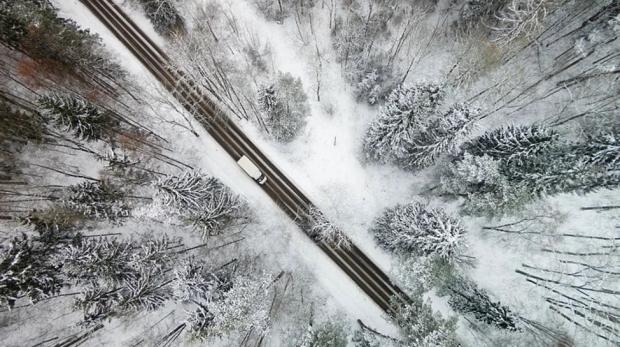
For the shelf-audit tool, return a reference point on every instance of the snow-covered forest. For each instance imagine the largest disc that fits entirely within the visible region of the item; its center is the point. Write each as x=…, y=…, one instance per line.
x=471, y=148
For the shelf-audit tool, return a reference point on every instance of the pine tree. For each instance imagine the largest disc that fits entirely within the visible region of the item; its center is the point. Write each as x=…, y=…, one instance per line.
x=242, y=308
x=120, y=276
x=26, y=271
x=33, y=27
x=164, y=16
x=188, y=192
x=284, y=105
x=18, y=127
x=467, y=298
x=106, y=259
x=96, y=303
x=481, y=182
x=420, y=327
x=502, y=170
x=193, y=281
x=147, y=291
x=414, y=228
x=602, y=149
x=512, y=142
x=73, y=113
x=408, y=110
x=202, y=201
x=442, y=136
x=216, y=214
x=54, y=224
x=100, y=199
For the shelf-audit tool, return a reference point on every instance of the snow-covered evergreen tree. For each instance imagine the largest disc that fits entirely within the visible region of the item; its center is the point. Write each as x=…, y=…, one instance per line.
x=73, y=113
x=113, y=260
x=602, y=148
x=34, y=28
x=53, y=224
x=187, y=192
x=96, y=303
x=512, y=142
x=415, y=228
x=119, y=277
x=480, y=181
x=18, y=127
x=164, y=16
x=97, y=199
x=408, y=110
x=502, y=170
x=202, y=201
x=415, y=274
x=284, y=106
x=26, y=271
x=147, y=291
x=467, y=298
x=216, y=214
x=420, y=327
x=321, y=229
x=96, y=258
x=242, y=308
x=441, y=136
x=194, y=281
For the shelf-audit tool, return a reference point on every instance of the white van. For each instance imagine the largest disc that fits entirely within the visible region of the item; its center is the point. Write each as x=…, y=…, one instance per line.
x=251, y=169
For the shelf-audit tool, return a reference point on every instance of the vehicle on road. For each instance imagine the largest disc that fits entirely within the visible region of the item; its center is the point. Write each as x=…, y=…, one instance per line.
x=252, y=170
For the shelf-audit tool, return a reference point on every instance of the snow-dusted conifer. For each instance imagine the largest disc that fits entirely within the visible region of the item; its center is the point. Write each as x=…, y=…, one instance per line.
x=201, y=200
x=505, y=168
x=16, y=124
x=420, y=327
x=194, y=281
x=512, y=142
x=602, y=149
x=441, y=136
x=154, y=254
x=187, y=192
x=284, y=105
x=76, y=114
x=99, y=199
x=98, y=258
x=34, y=27
x=54, y=224
x=407, y=110
x=480, y=181
x=243, y=308
x=26, y=271
x=96, y=303
x=415, y=228
x=223, y=208
x=164, y=16
x=466, y=297
x=147, y=291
